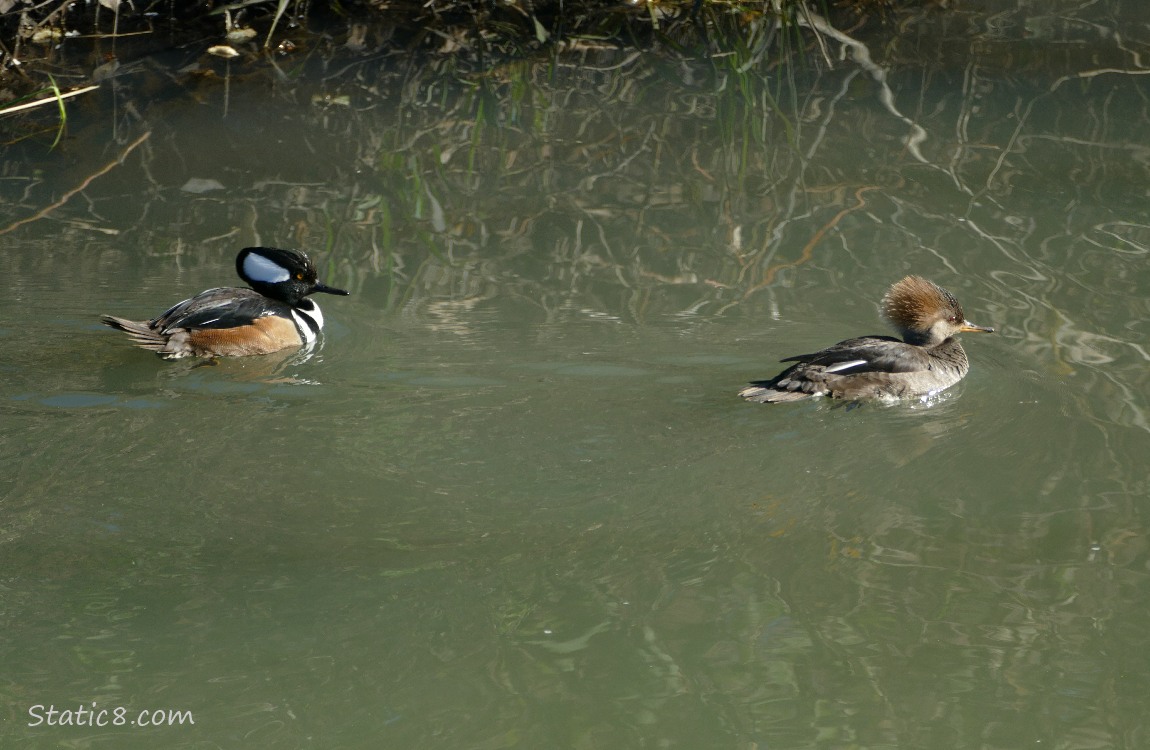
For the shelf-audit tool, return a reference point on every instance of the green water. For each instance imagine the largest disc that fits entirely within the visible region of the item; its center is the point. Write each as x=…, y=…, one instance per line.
x=514, y=501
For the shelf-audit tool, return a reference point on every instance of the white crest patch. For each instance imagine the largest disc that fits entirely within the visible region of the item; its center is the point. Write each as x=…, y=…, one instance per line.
x=259, y=268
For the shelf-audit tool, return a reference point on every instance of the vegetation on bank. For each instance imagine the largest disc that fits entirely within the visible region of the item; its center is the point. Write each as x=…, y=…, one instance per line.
x=40, y=40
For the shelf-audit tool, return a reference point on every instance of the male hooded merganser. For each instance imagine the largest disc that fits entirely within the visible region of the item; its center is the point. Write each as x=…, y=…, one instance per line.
x=231, y=321
x=928, y=359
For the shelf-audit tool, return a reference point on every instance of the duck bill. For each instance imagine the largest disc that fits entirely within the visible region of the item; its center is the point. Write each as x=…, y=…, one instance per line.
x=319, y=287
x=968, y=327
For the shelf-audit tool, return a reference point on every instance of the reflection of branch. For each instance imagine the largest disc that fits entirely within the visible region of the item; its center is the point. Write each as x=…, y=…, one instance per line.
x=809, y=248
x=588, y=183
x=1094, y=74
x=810, y=22
x=1009, y=148
x=87, y=181
x=861, y=55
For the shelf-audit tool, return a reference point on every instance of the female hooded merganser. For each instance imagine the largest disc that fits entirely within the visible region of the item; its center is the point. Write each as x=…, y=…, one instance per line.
x=231, y=321
x=926, y=361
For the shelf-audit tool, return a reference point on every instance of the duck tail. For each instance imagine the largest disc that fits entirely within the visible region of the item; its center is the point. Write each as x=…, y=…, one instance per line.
x=141, y=333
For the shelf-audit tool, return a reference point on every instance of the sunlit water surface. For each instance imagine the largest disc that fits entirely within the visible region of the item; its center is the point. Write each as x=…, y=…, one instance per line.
x=513, y=500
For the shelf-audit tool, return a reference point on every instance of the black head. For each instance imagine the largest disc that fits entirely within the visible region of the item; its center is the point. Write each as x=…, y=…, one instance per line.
x=286, y=275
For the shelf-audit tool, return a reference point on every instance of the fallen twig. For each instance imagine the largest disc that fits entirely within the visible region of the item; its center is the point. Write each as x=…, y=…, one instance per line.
x=47, y=100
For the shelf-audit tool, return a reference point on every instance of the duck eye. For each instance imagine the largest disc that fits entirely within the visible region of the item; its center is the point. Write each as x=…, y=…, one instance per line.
x=299, y=277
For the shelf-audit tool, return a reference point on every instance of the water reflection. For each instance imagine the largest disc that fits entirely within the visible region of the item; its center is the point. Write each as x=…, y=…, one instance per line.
x=514, y=499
